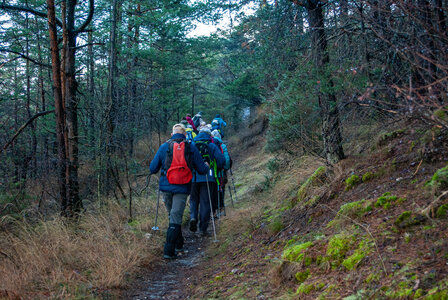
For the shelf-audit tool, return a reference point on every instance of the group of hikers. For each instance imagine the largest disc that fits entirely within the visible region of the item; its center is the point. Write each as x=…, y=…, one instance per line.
x=193, y=162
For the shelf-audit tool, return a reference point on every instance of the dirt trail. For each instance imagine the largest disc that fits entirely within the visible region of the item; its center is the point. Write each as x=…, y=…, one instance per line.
x=168, y=279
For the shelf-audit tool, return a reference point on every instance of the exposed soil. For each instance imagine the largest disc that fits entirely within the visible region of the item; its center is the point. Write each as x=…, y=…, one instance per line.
x=168, y=278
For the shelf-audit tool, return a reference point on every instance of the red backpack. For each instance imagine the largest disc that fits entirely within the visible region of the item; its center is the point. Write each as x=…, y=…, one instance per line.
x=177, y=162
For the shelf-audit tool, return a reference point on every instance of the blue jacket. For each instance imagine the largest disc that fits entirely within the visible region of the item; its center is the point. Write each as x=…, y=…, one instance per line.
x=225, y=152
x=159, y=162
x=221, y=123
x=215, y=154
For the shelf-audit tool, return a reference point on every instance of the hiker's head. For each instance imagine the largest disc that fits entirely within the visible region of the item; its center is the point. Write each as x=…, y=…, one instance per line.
x=188, y=115
x=179, y=128
x=206, y=130
x=218, y=116
x=215, y=133
x=184, y=122
x=203, y=123
x=200, y=113
x=209, y=126
x=189, y=126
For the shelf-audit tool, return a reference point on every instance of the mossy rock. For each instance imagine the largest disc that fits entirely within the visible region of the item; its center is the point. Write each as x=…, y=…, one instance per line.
x=318, y=177
x=276, y=223
x=439, y=181
x=296, y=252
x=408, y=219
x=351, y=182
x=353, y=210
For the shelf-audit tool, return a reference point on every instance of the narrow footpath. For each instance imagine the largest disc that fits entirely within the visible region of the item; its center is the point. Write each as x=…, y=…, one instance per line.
x=168, y=279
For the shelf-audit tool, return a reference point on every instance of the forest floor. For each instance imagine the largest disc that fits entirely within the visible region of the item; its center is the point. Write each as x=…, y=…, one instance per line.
x=368, y=228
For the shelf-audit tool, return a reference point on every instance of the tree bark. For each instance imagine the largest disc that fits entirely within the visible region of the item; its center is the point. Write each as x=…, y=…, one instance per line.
x=331, y=130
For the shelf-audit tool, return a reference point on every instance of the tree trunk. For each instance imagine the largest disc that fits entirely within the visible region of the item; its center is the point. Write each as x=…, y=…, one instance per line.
x=331, y=131
x=59, y=108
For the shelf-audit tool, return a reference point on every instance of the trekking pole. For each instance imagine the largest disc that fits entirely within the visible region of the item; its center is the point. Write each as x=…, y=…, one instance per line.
x=218, y=209
x=211, y=207
x=231, y=198
x=155, y=227
x=233, y=183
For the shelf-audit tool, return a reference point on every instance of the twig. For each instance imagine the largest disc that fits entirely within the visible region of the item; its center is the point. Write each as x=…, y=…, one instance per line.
x=418, y=167
x=367, y=230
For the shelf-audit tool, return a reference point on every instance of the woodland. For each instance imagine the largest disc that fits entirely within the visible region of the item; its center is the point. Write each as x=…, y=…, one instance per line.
x=90, y=89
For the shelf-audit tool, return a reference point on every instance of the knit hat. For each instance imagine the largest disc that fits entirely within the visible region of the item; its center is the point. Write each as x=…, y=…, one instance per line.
x=216, y=133
x=206, y=130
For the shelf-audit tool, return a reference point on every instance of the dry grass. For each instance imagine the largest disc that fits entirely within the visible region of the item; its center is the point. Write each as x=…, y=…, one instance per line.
x=56, y=259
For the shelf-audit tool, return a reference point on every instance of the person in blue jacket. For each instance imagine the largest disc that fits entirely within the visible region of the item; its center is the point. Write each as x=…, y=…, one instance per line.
x=204, y=186
x=175, y=195
x=218, y=124
x=222, y=173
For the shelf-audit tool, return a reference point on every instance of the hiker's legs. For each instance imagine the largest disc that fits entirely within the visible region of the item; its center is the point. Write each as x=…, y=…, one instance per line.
x=167, y=199
x=176, y=203
x=214, y=196
x=194, y=200
x=221, y=196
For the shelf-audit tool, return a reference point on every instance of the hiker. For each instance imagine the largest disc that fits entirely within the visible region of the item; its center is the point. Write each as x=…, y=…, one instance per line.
x=218, y=124
x=190, y=133
x=204, y=186
x=197, y=120
x=222, y=173
x=177, y=160
x=190, y=121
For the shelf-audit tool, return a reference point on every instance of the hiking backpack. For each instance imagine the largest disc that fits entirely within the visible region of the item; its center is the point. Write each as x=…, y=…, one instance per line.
x=178, y=162
x=197, y=121
x=190, y=135
x=215, y=125
x=203, y=149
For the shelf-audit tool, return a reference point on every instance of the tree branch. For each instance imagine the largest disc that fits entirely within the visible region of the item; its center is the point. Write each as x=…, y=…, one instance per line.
x=43, y=113
x=29, y=10
x=25, y=57
x=89, y=18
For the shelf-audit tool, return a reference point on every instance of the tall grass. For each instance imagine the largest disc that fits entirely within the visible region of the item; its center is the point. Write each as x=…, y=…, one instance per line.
x=60, y=259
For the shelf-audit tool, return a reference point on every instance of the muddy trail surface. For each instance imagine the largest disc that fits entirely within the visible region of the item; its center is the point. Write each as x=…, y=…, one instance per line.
x=168, y=279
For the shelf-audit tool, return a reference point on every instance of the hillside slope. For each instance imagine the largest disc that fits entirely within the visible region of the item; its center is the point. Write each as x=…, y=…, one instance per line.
x=368, y=228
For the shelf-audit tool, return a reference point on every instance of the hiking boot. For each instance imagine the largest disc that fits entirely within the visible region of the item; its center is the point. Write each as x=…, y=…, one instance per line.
x=166, y=256
x=193, y=225
x=178, y=250
x=204, y=233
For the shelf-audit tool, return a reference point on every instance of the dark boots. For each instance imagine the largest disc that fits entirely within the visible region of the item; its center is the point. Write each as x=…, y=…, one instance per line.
x=171, y=238
x=179, y=242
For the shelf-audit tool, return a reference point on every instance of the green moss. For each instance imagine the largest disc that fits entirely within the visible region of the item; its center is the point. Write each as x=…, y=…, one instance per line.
x=407, y=219
x=367, y=176
x=386, y=200
x=305, y=289
x=372, y=278
x=338, y=246
x=353, y=210
x=404, y=216
x=275, y=224
x=390, y=136
x=442, y=211
x=402, y=290
x=441, y=114
x=364, y=248
x=418, y=293
x=302, y=276
x=314, y=179
x=296, y=252
x=351, y=182
x=439, y=180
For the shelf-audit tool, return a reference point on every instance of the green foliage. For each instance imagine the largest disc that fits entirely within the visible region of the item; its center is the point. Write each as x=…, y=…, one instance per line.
x=338, y=246
x=296, y=252
x=442, y=211
x=368, y=176
x=353, y=210
x=386, y=200
x=439, y=181
x=305, y=289
x=364, y=248
x=302, y=276
x=390, y=136
x=351, y=182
